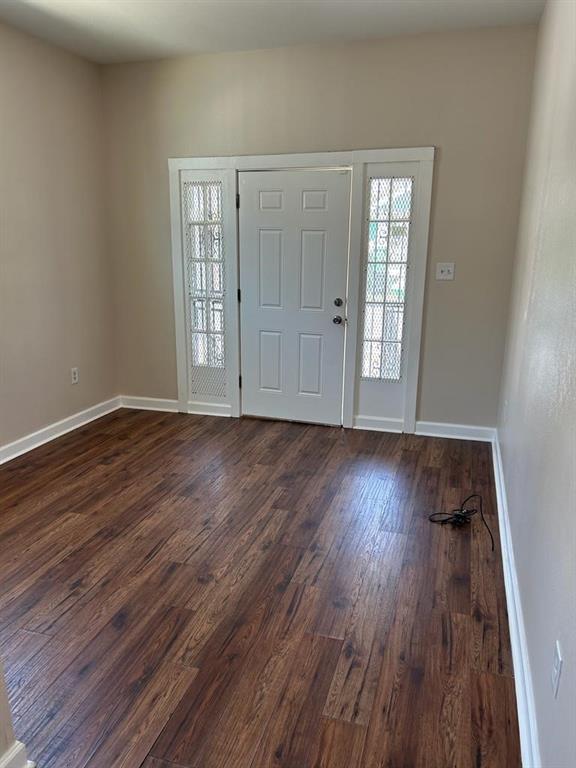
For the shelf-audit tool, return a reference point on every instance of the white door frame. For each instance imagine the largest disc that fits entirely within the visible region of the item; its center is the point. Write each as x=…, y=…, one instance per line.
x=357, y=161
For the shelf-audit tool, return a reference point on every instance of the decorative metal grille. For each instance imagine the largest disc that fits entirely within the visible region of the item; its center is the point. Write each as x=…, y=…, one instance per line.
x=386, y=265
x=205, y=282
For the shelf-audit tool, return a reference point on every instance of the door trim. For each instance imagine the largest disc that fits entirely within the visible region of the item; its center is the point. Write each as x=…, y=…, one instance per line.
x=357, y=161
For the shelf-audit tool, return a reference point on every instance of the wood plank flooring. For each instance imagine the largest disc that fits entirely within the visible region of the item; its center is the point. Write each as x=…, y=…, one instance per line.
x=195, y=592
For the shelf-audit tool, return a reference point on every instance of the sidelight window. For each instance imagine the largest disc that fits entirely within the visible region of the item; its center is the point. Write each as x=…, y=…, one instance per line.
x=385, y=276
x=204, y=260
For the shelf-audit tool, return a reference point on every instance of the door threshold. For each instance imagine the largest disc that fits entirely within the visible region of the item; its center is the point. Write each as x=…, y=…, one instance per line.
x=290, y=421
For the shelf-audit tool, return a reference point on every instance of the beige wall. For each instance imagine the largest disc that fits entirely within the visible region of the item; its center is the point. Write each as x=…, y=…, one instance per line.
x=465, y=92
x=538, y=415
x=61, y=260
x=55, y=287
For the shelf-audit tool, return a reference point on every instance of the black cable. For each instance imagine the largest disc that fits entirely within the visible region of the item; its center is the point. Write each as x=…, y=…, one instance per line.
x=462, y=516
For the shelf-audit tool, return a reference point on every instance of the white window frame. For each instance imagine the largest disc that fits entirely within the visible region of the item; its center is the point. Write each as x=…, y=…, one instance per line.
x=229, y=405
x=226, y=169
x=421, y=172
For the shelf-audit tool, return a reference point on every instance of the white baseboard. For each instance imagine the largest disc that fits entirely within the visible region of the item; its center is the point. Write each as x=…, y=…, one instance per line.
x=149, y=403
x=173, y=406
x=522, y=675
x=210, y=409
x=458, y=431
x=59, y=428
x=52, y=431
x=377, y=424
x=15, y=757
x=427, y=428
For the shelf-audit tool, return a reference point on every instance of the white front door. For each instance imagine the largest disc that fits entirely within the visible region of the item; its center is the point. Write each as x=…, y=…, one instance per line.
x=294, y=236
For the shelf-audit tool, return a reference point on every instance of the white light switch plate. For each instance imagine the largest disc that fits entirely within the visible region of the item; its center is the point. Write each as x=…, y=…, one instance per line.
x=445, y=270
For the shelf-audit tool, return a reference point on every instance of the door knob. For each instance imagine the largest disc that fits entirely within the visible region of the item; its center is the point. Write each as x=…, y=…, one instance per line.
x=338, y=302
x=337, y=320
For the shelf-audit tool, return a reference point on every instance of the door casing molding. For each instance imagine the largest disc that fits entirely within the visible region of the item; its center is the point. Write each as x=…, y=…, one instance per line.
x=356, y=161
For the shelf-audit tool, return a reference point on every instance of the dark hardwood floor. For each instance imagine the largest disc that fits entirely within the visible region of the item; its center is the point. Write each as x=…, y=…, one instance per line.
x=196, y=592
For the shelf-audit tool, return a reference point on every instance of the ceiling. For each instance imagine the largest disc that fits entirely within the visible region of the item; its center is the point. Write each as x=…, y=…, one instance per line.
x=135, y=30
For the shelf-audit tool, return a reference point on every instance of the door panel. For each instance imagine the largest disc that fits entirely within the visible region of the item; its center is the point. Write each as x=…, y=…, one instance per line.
x=310, y=364
x=270, y=268
x=271, y=361
x=294, y=232
x=312, y=259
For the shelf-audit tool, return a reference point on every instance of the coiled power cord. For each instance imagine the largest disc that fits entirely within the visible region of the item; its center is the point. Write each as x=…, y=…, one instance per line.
x=462, y=516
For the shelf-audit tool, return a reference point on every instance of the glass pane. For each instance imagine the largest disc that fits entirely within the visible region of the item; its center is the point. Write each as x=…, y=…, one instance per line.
x=214, y=241
x=396, y=283
x=217, y=316
x=401, y=204
x=196, y=242
x=371, y=357
x=213, y=202
x=375, y=280
x=393, y=322
x=199, y=315
x=216, y=346
x=391, y=361
x=216, y=278
x=197, y=277
x=194, y=201
x=379, y=199
x=398, y=248
x=199, y=349
x=373, y=321
x=377, y=241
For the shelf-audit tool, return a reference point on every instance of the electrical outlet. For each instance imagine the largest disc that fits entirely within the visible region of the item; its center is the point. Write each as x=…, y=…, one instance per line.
x=74, y=375
x=556, y=669
x=445, y=270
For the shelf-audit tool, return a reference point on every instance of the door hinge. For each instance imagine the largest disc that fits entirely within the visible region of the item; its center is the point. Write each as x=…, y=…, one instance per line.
x=239, y=295
x=240, y=382
x=237, y=199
